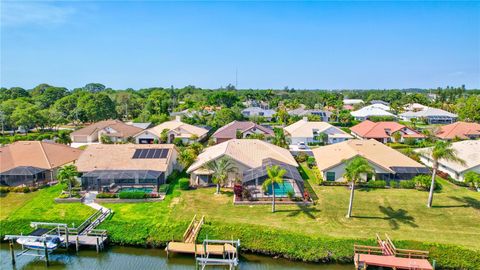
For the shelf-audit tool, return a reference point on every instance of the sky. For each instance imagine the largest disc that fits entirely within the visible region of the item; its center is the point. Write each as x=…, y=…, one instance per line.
x=302, y=45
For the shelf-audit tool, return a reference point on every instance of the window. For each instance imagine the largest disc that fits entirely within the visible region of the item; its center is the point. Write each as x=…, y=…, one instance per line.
x=330, y=176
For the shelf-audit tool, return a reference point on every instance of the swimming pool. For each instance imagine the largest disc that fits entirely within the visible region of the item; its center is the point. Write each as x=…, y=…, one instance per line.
x=282, y=189
x=131, y=189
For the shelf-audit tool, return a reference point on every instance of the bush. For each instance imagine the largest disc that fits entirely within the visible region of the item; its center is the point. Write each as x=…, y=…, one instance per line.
x=132, y=195
x=376, y=184
x=163, y=188
x=422, y=182
x=4, y=190
x=407, y=184
x=184, y=183
x=290, y=194
x=301, y=157
x=311, y=161
x=174, y=175
x=104, y=195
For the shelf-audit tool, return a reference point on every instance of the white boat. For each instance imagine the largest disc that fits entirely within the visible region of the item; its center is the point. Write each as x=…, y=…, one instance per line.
x=52, y=242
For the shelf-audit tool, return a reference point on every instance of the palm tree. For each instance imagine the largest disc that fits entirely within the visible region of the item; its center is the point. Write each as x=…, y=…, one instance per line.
x=66, y=175
x=64, y=138
x=279, y=139
x=220, y=168
x=275, y=175
x=440, y=150
x=354, y=169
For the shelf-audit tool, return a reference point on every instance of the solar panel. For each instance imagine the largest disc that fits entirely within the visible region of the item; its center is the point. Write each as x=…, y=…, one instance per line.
x=164, y=153
x=137, y=153
x=156, y=154
x=150, y=153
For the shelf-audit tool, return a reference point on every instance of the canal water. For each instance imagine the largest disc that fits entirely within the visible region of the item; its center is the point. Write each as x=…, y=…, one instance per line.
x=131, y=258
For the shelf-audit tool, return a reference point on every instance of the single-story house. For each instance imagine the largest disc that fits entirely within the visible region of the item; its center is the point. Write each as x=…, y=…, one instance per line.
x=468, y=150
x=249, y=158
x=31, y=162
x=111, y=167
x=117, y=130
x=258, y=112
x=324, y=115
x=389, y=164
x=173, y=129
x=371, y=111
x=460, y=130
x=304, y=131
x=243, y=128
x=430, y=115
x=384, y=131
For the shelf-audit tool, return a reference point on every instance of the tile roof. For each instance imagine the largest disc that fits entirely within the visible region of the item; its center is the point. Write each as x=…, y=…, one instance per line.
x=458, y=129
x=119, y=157
x=468, y=150
x=372, y=150
x=371, y=111
x=45, y=155
x=369, y=129
x=122, y=129
x=428, y=112
x=230, y=130
x=181, y=129
x=250, y=152
x=304, y=128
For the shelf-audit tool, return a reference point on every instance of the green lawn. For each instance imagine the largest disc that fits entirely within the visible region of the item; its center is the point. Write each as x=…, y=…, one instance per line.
x=17, y=210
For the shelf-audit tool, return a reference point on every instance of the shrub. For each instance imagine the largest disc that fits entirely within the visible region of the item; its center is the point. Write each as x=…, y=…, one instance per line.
x=407, y=184
x=106, y=195
x=377, y=184
x=163, y=188
x=4, y=190
x=311, y=161
x=174, y=175
x=301, y=157
x=132, y=195
x=422, y=182
x=290, y=194
x=178, y=142
x=184, y=183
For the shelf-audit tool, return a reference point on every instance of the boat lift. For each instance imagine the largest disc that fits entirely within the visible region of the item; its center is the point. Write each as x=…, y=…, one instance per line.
x=40, y=236
x=230, y=254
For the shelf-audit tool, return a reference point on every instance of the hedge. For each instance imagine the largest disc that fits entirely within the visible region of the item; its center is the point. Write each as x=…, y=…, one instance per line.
x=132, y=195
x=184, y=183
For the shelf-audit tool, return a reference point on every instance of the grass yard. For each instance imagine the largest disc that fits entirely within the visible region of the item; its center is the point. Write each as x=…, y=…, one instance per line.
x=18, y=209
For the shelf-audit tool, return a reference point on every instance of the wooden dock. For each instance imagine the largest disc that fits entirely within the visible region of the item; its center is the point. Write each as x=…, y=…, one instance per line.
x=387, y=255
x=200, y=249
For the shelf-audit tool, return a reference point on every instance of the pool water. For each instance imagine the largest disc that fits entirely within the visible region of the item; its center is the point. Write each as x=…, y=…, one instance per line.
x=281, y=189
x=131, y=189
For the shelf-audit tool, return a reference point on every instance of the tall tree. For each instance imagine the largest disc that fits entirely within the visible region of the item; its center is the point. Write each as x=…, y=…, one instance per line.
x=275, y=176
x=354, y=170
x=66, y=175
x=440, y=150
x=220, y=169
x=279, y=139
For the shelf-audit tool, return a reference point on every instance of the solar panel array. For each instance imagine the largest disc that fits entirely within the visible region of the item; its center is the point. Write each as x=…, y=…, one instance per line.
x=150, y=153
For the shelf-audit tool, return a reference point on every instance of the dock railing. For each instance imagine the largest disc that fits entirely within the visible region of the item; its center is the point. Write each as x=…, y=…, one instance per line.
x=189, y=228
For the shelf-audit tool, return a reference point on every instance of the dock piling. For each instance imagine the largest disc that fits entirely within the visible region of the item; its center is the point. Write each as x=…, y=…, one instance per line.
x=46, y=253
x=12, y=252
x=97, y=245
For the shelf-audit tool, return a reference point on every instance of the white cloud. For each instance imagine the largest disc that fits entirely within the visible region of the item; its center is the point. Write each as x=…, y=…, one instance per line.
x=33, y=13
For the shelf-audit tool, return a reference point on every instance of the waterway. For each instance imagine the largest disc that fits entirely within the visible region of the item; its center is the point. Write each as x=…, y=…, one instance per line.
x=130, y=258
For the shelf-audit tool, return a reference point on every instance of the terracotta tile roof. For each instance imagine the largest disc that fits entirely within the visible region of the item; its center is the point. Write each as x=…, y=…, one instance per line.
x=372, y=150
x=38, y=154
x=229, y=131
x=458, y=129
x=368, y=129
x=119, y=157
x=181, y=129
x=122, y=130
x=246, y=151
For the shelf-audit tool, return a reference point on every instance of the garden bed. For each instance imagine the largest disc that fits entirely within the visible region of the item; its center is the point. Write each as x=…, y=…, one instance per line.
x=70, y=200
x=117, y=200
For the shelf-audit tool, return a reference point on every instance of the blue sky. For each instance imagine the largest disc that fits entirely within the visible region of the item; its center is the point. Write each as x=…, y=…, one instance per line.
x=305, y=45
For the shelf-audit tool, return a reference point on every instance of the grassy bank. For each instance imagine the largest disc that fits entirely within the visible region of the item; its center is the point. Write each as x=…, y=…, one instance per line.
x=17, y=210
x=310, y=233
